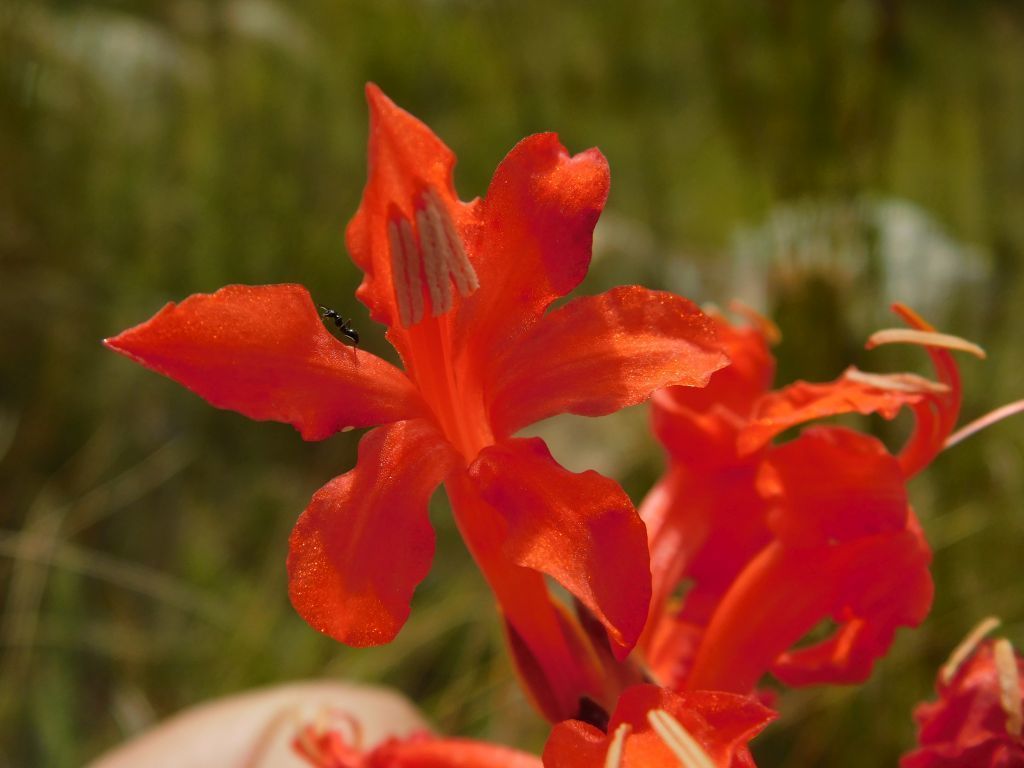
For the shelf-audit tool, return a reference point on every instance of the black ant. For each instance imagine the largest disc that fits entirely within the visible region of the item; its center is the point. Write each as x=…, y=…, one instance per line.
x=344, y=326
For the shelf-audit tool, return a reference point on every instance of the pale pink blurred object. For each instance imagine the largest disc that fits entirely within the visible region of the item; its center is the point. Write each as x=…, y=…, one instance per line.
x=256, y=729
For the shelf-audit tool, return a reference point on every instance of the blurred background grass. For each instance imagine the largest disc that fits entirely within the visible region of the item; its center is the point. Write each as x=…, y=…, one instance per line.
x=817, y=159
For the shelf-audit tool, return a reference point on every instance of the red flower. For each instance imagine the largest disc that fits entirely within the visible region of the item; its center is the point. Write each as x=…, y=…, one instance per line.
x=774, y=539
x=654, y=727
x=977, y=720
x=329, y=748
x=464, y=289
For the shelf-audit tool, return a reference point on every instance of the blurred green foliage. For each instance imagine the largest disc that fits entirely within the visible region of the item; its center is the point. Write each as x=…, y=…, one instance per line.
x=149, y=150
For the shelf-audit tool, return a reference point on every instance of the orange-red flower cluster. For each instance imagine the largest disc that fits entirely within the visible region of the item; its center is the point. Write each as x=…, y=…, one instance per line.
x=769, y=539
x=745, y=546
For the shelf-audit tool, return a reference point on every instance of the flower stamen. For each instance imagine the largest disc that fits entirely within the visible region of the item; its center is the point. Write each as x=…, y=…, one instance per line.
x=966, y=647
x=679, y=741
x=984, y=422
x=434, y=253
x=925, y=339
x=897, y=382
x=613, y=758
x=1009, y=686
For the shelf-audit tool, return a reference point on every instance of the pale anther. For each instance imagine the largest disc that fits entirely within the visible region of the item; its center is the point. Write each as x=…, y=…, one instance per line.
x=1009, y=686
x=435, y=264
x=433, y=253
x=399, y=276
x=966, y=647
x=679, y=741
x=459, y=266
x=896, y=382
x=413, y=257
x=924, y=338
x=613, y=758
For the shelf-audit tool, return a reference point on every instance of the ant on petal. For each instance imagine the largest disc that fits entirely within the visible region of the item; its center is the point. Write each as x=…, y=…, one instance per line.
x=344, y=326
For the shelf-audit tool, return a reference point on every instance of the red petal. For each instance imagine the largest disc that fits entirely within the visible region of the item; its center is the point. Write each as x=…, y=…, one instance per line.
x=803, y=401
x=601, y=353
x=839, y=510
x=748, y=375
x=533, y=237
x=448, y=753
x=405, y=159
x=786, y=591
x=704, y=526
x=264, y=351
x=554, y=661
x=937, y=417
x=364, y=542
x=721, y=723
x=832, y=483
x=575, y=744
x=581, y=529
x=969, y=724
x=698, y=426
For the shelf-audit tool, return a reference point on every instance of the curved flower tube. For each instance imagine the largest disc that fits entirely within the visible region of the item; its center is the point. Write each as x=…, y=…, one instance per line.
x=655, y=727
x=775, y=539
x=464, y=289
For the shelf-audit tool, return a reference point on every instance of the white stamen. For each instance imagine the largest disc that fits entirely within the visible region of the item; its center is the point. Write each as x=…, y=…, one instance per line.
x=399, y=274
x=685, y=748
x=459, y=266
x=897, y=382
x=413, y=257
x=1009, y=686
x=985, y=421
x=435, y=263
x=924, y=338
x=966, y=647
x=613, y=758
x=434, y=253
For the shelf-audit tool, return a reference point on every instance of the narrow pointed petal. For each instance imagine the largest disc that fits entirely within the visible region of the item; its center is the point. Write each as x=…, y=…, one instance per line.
x=365, y=542
x=264, y=351
x=853, y=392
x=601, y=353
x=406, y=161
x=581, y=529
x=533, y=237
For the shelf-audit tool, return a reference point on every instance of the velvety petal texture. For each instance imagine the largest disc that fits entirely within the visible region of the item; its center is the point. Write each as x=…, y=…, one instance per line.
x=720, y=724
x=531, y=239
x=365, y=542
x=264, y=351
x=599, y=354
x=581, y=529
